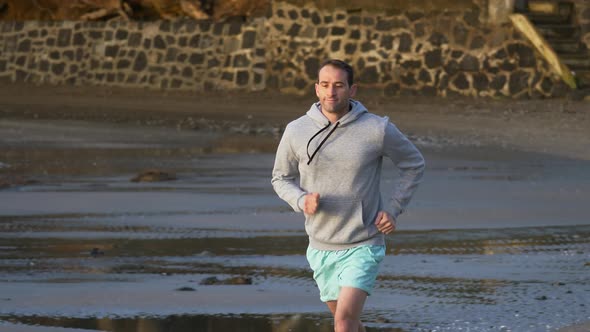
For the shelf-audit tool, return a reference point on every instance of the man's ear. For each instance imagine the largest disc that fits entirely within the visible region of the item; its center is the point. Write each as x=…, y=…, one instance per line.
x=353, y=90
x=317, y=93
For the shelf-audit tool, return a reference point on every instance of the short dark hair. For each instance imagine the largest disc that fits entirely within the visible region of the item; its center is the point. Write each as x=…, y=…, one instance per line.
x=341, y=65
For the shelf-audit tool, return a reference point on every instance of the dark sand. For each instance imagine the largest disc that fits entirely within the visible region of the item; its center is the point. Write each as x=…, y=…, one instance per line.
x=496, y=239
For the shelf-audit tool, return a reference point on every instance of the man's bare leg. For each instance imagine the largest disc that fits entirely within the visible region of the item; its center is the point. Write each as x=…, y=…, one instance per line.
x=347, y=310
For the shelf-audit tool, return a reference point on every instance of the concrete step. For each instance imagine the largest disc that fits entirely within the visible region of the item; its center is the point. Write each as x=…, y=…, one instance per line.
x=559, y=30
x=565, y=45
x=541, y=18
x=578, y=61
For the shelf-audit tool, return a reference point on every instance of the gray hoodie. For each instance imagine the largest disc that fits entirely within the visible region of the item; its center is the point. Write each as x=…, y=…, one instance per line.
x=345, y=169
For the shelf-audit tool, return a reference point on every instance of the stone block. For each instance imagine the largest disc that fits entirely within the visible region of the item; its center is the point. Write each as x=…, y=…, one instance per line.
x=63, y=37
x=165, y=26
x=405, y=42
x=235, y=28
x=471, y=17
x=293, y=14
x=349, y=48
x=205, y=25
x=477, y=43
x=387, y=42
x=315, y=18
x=294, y=30
x=354, y=20
x=249, y=39
x=159, y=43
x=469, y=63
x=241, y=61
x=480, y=82
x=335, y=45
x=409, y=79
x=175, y=84
x=411, y=64
x=68, y=55
x=367, y=46
x=24, y=46
x=242, y=77
x=111, y=51
x=438, y=39
x=58, y=68
x=196, y=58
x=460, y=81
x=338, y=31
x=433, y=58
x=414, y=15
x=518, y=82
x=460, y=34
x=21, y=61
x=121, y=34
x=171, y=54
x=79, y=39
x=390, y=24
x=123, y=64
x=187, y=72
x=424, y=76
x=140, y=62
x=419, y=30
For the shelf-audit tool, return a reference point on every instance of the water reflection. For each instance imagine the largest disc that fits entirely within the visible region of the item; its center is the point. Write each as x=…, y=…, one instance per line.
x=186, y=323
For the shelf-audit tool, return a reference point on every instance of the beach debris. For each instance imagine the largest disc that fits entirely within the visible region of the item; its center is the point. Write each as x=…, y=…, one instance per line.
x=229, y=281
x=153, y=175
x=95, y=252
x=185, y=289
x=541, y=298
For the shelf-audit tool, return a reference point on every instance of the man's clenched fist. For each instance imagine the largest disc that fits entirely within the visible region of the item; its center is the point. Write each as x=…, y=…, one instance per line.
x=312, y=201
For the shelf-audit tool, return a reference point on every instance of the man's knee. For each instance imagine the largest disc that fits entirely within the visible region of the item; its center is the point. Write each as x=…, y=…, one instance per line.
x=346, y=325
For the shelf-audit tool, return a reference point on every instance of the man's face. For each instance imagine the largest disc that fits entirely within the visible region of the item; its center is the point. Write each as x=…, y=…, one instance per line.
x=333, y=90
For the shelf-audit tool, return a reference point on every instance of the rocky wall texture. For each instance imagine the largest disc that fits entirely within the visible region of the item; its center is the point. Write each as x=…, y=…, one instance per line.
x=415, y=53
x=185, y=54
x=442, y=53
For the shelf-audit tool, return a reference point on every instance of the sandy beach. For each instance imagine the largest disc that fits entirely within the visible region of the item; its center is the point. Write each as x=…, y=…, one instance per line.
x=496, y=239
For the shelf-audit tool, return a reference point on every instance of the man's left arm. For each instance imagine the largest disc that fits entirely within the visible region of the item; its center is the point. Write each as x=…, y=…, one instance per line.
x=410, y=163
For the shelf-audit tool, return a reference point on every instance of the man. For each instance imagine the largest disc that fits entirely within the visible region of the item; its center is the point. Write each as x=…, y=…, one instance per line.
x=328, y=166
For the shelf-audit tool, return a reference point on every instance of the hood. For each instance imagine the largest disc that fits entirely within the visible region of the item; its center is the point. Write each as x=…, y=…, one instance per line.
x=321, y=121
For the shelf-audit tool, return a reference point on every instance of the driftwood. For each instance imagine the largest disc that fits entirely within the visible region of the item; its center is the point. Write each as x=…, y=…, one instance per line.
x=92, y=10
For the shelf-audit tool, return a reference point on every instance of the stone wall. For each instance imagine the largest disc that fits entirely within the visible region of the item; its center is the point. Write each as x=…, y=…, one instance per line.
x=185, y=54
x=436, y=53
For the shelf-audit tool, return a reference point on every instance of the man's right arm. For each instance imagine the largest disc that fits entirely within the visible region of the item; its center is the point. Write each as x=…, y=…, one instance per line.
x=285, y=174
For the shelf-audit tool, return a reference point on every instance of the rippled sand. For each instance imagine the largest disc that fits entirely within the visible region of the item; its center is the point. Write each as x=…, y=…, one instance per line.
x=495, y=239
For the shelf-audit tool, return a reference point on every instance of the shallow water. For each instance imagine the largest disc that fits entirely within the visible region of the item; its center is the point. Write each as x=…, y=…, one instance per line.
x=494, y=241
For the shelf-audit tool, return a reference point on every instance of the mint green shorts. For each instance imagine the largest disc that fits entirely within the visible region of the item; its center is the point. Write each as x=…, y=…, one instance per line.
x=355, y=267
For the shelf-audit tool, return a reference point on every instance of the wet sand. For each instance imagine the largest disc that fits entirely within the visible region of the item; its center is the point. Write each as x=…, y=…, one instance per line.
x=496, y=239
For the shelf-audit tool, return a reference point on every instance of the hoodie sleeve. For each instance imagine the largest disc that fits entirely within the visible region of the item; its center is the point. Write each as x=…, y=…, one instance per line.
x=285, y=174
x=410, y=163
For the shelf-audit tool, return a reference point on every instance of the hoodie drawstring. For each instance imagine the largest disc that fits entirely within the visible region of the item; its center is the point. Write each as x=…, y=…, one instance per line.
x=322, y=143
